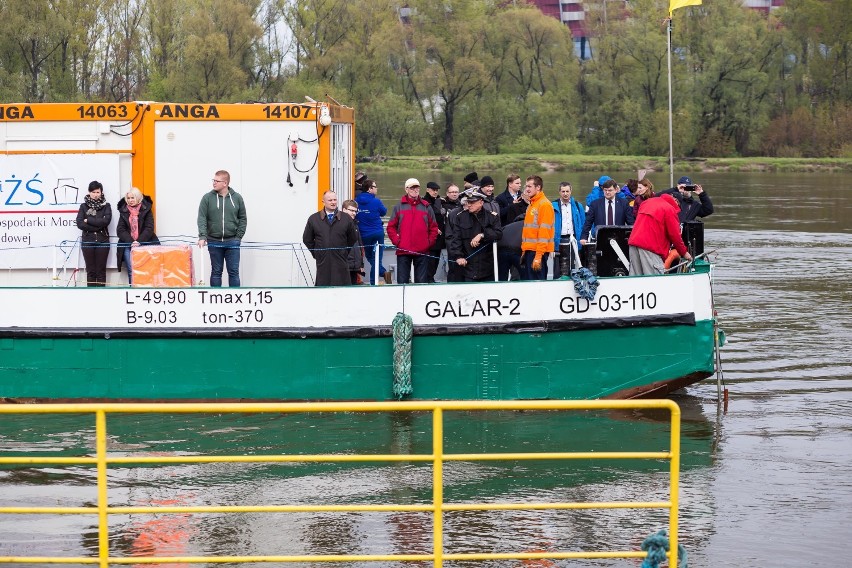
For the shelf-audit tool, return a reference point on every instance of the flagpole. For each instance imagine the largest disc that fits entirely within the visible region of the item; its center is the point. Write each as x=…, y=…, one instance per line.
x=671, y=137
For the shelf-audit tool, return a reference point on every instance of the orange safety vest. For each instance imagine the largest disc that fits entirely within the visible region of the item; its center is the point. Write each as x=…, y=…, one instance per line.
x=538, y=226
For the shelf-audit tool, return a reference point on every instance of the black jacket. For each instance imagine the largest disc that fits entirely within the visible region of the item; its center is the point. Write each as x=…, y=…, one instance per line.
x=146, y=227
x=441, y=218
x=689, y=207
x=466, y=225
x=96, y=227
x=330, y=245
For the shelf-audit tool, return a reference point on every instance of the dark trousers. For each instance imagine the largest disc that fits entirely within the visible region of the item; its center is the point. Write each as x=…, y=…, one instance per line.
x=222, y=253
x=403, y=268
x=527, y=273
x=370, y=243
x=95, y=255
x=433, y=259
x=455, y=273
x=564, y=263
x=506, y=260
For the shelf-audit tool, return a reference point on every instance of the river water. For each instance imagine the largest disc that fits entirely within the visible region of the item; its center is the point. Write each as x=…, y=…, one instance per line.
x=767, y=482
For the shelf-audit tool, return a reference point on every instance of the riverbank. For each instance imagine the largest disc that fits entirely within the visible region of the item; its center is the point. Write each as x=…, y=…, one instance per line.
x=596, y=163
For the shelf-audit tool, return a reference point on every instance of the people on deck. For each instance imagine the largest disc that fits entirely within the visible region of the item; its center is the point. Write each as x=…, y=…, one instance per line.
x=356, y=252
x=537, y=235
x=611, y=209
x=512, y=194
x=486, y=188
x=93, y=219
x=657, y=229
x=470, y=180
x=569, y=220
x=222, y=222
x=452, y=207
x=413, y=230
x=432, y=198
x=690, y=208
x=474, y=232
x=329, y=235
x=135, y=227
x=369, y=218
x=597, y=191
x=644, y=191
x=509, y=253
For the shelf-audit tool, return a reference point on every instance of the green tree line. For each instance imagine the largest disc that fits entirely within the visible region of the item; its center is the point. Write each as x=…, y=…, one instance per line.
x=462, y=76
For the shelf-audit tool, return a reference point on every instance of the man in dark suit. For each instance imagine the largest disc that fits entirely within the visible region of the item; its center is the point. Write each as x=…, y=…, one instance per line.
x=611, y=209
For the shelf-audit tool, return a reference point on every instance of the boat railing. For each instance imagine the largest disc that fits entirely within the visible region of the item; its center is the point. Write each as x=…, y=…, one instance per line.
x=105, y=457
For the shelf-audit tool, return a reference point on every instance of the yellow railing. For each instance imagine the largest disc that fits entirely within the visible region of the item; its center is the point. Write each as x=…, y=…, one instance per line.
x=102, y=460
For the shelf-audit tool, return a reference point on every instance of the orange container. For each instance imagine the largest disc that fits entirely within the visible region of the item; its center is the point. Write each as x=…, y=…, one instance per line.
x=162, y=266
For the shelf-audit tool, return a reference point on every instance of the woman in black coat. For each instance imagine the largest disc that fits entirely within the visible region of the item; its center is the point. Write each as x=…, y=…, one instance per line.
x=93, y=220
x=135, y=227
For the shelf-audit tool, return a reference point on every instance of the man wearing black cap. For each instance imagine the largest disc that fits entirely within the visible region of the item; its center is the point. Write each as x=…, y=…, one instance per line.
x=432, y=199
x=471, y=180
x=470, y=245
x=690, y=208
x=486, y=188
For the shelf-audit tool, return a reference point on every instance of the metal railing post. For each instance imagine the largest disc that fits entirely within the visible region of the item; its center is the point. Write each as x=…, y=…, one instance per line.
x=438, y=487
x=103, y=517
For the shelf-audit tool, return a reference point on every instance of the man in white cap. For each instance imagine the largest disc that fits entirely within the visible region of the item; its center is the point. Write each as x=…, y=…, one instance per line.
x=413, y=230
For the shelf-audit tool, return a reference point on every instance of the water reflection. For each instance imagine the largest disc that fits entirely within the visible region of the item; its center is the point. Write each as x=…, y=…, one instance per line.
x=312, y=483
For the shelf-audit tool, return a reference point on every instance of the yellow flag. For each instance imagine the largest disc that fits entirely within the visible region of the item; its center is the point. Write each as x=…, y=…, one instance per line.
x=675, y=4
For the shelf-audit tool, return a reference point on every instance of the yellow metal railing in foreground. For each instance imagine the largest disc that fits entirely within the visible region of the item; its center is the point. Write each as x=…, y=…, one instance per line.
x=102, y=460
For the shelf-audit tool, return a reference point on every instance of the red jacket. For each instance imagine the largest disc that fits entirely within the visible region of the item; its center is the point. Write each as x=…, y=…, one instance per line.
x=412, y=227
x=657, y=227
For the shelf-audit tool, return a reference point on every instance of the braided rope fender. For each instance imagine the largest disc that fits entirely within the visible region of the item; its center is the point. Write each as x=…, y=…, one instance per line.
x=403, y=331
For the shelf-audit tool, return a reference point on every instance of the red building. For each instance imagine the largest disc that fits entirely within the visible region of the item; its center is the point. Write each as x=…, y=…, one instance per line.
x=572, y=13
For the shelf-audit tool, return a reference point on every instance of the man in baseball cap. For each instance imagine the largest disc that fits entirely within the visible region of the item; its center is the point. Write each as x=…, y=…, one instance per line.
x=690, y=208
x=413, y=230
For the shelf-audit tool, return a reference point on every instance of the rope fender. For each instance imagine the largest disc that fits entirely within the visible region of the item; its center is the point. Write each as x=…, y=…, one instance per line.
x=657, y=545
x=403, y=331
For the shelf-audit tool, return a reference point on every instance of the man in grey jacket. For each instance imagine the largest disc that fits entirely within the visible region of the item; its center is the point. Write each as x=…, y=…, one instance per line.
x=222, y=223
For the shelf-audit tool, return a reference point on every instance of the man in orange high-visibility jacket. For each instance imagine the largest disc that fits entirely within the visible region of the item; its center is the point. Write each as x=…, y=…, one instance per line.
x=537, y=237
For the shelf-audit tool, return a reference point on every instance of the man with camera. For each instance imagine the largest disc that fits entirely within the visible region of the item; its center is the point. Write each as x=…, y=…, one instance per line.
x=690, y=208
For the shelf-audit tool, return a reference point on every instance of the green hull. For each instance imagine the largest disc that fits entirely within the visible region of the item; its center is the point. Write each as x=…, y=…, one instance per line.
x=571, y=364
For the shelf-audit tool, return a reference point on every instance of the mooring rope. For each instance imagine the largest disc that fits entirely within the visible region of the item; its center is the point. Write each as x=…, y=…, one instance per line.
x=657, y=545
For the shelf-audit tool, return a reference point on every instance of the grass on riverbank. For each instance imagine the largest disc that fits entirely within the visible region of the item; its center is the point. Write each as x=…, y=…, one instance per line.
x=595, y=163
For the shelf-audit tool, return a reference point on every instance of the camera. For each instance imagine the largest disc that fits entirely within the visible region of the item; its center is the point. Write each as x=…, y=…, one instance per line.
x=689, y=187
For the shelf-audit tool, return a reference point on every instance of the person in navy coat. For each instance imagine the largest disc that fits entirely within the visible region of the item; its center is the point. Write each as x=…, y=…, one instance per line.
x=597, y=213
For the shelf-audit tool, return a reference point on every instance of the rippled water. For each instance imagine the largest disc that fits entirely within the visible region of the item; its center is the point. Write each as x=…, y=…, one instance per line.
x=767, y=483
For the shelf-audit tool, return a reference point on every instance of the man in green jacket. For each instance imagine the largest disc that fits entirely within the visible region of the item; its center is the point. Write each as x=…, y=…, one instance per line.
x=221, y=225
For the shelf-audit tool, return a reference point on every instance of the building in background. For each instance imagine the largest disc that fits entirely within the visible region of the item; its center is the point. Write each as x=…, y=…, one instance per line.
x=572, y=13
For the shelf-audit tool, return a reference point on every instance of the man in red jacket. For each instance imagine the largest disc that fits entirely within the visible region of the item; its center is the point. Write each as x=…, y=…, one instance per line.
x=413, y=230
x=655, y=231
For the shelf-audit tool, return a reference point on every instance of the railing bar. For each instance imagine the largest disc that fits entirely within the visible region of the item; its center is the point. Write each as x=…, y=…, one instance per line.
x=103, y=518
x=438, y=488
x=674, y=484
x=314, y=407
x=295, y=458
x=333, y=508
x=558, y=506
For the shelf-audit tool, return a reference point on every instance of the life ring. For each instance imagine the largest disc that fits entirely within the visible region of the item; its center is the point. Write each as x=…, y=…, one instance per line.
x=671, y=259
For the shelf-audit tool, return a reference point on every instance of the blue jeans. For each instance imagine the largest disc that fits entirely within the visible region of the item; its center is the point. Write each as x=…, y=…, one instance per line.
x=126, y=255
x=527, y=273
x=403, y=268
x=222, y=253
x=370, y=242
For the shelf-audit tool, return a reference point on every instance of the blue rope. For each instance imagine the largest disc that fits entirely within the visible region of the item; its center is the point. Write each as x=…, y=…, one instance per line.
x=657, y=545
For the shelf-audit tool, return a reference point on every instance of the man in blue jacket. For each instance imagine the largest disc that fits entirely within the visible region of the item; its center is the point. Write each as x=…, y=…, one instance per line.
x=570, y=218
x=611, y=209
x=690, y=208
